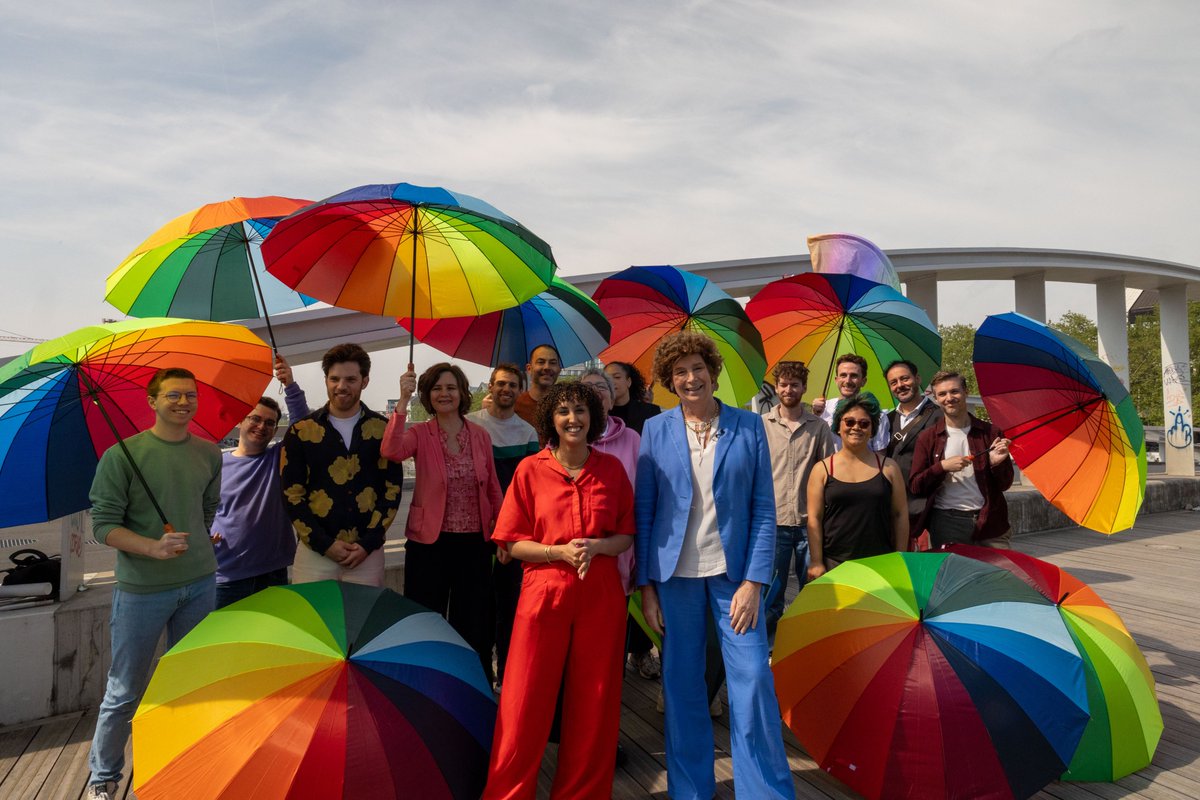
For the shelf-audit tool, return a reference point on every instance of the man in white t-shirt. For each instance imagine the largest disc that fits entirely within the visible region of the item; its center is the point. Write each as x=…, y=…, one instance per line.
x=962, y=465
x=850, y=374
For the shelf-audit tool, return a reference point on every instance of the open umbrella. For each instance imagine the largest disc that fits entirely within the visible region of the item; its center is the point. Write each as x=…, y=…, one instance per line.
x=400, y=250
x=1126, y=723
x=206, y=264
x=1076, y=434
x=66, y=401
x=561, y=316
x=847, y=254
x=319, y=690
x=647, y=304
x=930, y=675
x=816, y=318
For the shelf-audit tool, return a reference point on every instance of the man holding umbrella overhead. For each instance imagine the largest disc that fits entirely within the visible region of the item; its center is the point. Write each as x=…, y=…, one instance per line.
x=164, y=579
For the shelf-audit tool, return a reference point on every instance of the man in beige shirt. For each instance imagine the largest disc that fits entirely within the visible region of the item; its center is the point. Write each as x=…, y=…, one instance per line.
x=798, y=439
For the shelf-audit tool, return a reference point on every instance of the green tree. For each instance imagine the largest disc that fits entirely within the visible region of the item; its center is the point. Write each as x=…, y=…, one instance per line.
x=1077, y=326
x=958, y=343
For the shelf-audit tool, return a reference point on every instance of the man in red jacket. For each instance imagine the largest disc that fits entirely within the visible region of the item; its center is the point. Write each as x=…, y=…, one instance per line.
x=962, y=465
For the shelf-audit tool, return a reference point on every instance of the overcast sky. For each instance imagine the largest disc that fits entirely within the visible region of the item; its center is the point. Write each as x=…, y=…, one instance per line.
x=620, y=132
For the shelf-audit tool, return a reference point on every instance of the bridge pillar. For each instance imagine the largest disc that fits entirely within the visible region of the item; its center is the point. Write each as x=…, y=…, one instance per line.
x=924, y=292
x=1030, y=292
x=1177, y=383
x=1112, y=326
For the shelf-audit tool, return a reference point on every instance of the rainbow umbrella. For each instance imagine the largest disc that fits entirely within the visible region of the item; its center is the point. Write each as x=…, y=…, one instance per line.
x=66, y=401
x=816, y=318
x=1076, y=434
x=319, y=690
x=647, y=304
x=206, y=264
x=1126, y=724
x=412, y=251
x=847, y=254
x=930, y=675
x=561, y=316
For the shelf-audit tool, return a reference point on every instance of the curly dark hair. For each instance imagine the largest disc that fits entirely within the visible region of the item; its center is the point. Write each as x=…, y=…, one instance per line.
x=570, y=392
x=430, y=376
x=679, y=345
x=791, y=370
x=864, y=400
x=347, y=351
x=637, y=381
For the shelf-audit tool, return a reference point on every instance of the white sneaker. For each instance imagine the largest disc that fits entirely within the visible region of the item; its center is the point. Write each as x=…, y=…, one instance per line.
x=101, y=791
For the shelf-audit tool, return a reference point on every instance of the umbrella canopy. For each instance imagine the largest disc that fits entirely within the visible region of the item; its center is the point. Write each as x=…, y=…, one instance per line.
x=1126, y=723
x=847, y=254
x=816, y=318
x=647, y=304
x=1076, y=434
x=414, y=251
x=318, y=690
x=930, y=675
x=561, y=316
x=61, y=401
x=206, y=264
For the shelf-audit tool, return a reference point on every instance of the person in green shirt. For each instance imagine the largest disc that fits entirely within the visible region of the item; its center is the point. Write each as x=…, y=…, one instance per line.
x=165, y=577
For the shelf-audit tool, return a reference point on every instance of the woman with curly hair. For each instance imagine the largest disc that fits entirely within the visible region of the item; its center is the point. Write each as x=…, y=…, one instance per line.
x=857, y=502
x=568, y=514
x=629, y=395
x=705, y=509
x=448, y=557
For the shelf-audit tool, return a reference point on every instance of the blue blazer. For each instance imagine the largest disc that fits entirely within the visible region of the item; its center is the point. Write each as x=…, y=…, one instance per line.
x=742, y=489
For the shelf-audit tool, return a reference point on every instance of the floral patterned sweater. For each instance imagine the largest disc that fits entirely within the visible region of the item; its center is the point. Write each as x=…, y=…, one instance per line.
x=332, y=492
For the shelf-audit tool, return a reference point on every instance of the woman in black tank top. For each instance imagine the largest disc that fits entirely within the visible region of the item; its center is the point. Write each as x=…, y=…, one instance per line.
x=857, y=504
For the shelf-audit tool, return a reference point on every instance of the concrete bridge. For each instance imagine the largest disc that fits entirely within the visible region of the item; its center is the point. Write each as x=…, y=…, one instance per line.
x=305, y=335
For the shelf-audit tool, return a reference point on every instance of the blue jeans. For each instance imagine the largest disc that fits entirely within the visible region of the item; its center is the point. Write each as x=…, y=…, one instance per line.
x=232, y=591
x=136, y=624
x=791, y=542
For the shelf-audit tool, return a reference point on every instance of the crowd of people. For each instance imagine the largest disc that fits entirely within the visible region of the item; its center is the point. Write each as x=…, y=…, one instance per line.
x=533, y=520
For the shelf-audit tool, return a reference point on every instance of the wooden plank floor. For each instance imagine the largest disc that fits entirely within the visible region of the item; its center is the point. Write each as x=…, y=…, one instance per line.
x=1150, y=576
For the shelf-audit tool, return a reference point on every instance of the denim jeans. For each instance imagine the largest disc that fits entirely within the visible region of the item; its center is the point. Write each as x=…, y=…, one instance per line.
x=232, y=591
x=791, y=543
x=136, y=624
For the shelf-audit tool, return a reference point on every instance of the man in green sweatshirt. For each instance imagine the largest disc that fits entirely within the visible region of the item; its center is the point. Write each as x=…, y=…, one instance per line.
x=165, y=580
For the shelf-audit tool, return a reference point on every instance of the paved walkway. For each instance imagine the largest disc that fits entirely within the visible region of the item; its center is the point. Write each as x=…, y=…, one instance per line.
x=1151, y=576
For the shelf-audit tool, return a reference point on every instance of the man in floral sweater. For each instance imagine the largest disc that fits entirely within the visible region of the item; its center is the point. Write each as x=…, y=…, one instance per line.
x=340, y=493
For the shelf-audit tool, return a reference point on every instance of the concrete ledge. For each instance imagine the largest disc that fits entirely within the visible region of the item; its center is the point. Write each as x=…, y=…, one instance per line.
x=1029, y=512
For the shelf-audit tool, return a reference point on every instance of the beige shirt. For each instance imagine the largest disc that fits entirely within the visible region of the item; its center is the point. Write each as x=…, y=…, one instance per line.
x=795, y=448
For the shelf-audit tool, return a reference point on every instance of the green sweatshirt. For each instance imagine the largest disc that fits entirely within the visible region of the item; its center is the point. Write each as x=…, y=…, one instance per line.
x=186, y=480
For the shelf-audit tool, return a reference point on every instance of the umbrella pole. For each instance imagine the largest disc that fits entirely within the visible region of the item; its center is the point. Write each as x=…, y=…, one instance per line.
x=94, y=393
x=262, y=301
x=412, y=297
x=1074, y=409
x=833, y=357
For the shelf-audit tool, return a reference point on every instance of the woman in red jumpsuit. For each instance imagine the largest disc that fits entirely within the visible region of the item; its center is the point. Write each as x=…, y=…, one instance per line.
x=567, y=515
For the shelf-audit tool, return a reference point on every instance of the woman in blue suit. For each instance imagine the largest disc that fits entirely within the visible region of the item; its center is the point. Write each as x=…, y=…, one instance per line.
x=705, y=511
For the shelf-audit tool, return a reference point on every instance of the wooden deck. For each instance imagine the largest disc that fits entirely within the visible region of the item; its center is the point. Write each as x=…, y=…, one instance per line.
x=1151, y=576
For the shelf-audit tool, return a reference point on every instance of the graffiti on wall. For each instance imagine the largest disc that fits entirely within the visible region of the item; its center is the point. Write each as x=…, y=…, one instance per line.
x=1177, y=393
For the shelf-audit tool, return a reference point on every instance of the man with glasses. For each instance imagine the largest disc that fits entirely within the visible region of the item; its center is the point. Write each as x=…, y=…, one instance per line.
x=256, y=544
x=164, y=572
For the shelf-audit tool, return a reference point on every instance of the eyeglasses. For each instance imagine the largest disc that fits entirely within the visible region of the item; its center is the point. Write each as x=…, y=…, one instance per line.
x=255, y=419
x=861, y=424
x=175, y=397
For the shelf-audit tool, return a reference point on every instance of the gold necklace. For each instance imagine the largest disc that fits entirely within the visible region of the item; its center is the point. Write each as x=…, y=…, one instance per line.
x=567, y=466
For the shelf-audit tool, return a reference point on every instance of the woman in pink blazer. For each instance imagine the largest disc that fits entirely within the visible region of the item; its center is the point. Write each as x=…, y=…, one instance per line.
x=448, y=557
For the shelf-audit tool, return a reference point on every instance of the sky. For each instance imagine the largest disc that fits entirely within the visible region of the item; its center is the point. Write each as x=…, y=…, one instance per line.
x=620, y=132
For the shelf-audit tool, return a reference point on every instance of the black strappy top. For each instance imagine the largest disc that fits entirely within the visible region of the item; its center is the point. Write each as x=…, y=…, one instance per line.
x=858, y=516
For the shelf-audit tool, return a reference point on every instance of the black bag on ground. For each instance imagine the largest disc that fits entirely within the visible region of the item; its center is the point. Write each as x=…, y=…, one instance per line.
x=34, y=566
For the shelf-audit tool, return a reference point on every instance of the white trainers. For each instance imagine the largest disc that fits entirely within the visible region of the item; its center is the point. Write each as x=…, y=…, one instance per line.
x=101, y=791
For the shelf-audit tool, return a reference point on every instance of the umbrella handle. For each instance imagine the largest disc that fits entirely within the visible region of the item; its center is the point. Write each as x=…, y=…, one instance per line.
x=168, y=527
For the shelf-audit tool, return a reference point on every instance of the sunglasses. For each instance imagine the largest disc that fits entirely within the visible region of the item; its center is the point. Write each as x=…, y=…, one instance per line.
x=862, y=424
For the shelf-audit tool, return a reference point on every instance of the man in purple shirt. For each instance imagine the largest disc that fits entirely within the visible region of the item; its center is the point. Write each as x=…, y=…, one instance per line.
x=257, y=544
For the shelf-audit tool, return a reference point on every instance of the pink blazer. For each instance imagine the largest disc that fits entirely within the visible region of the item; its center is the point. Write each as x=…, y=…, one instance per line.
x=429, y=493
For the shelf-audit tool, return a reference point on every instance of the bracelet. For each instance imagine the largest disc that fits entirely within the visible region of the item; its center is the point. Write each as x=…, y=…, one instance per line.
x=547, y=554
